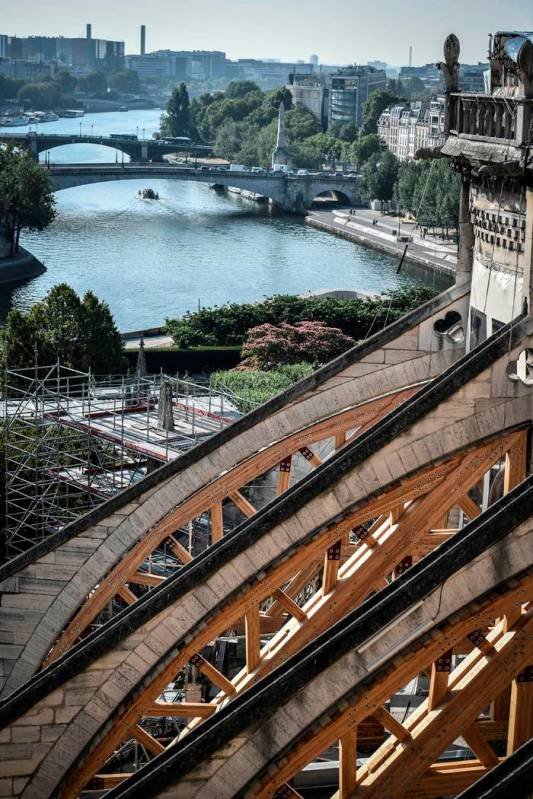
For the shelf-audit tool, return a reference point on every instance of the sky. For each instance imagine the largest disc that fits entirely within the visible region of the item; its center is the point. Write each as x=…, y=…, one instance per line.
x=349, y=31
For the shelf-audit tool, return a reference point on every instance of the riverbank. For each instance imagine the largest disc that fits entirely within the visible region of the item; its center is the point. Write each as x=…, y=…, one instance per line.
x=21, y=267
x=357, y=225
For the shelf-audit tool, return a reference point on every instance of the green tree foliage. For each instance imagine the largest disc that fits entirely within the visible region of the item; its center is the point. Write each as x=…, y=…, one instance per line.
x=26, y=196
x=364, y=147
x=40, y=96
x=95, y=82
x=125, y=80
x=9, y=87
x=65, y=80
x=177, y=120
x=379, y=176
x=229, y=324
x=345, y=131
x=377, y=102
x=238, y=89
x=429, y=192
x=80, y=332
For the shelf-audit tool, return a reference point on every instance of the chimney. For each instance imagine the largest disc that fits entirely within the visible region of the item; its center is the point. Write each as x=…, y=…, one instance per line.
x=89, y=33
x=143, y=39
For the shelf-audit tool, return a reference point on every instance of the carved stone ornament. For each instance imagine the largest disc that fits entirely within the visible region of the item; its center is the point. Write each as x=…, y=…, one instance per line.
x=450, y=66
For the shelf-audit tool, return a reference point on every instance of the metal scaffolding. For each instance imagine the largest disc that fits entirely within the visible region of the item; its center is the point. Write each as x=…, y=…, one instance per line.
x=74, y=440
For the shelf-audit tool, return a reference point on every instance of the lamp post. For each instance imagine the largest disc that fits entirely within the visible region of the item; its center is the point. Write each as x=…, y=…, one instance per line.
x=144, y=137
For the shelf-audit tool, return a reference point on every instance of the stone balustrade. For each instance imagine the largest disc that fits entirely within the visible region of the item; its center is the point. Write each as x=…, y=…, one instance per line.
x=491, y=117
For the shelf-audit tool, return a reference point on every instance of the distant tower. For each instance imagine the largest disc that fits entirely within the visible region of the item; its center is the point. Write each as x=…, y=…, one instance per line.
x=411, y=55
x=281, y=156
x=313, y=59
x=89, y=33
x=143, y=39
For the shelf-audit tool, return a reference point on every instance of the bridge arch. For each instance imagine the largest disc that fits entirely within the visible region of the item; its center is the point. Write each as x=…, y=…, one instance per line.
x=331, y=197
x=113, y=154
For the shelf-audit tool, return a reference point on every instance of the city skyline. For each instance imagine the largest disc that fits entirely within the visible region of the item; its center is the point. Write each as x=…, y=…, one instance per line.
x=267, y=29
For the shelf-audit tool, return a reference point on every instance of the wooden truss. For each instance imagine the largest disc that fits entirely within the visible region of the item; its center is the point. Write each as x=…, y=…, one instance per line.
x=481, y=701
x=316, y=586
x=209, y=500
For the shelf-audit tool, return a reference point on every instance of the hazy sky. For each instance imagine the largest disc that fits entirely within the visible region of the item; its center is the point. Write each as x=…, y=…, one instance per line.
x=339, y=32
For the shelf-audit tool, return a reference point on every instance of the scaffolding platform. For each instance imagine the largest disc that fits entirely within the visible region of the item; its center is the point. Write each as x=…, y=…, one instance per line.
x=74, y=440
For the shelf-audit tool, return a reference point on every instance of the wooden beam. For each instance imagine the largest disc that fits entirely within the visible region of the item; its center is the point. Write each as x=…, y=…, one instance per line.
x=284, y=475
x=332, y=560
x=469, y=507
x=480, y=747
x=180, y=552
x=340, y=440
x=521, y=710
x=391, y=724
x=242, y=503
x=217, y=524
x=127, y=595
x=213, y=674
x=515, y=463
x=145, y=578
x=290, y=606
x=148, y=741
x=310, y=456
x=253, y=638
x=181, y=709
x=347, y=763
x=438, y=681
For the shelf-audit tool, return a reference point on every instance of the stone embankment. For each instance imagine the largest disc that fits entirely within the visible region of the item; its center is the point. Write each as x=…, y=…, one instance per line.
x=357, y=225
x=21, y=267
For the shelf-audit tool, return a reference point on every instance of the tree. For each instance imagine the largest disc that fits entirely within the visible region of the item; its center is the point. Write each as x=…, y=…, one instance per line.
x=9, y=87
x=65, y=80
x=26, y=196
x=96, y=82
x=281, y=95
x=40, y=96
x=377, y=102
x=364, y=147
x=269, y=346
x=379, y=176
x=346, y=131
x=177, y=120
x=409, y=173
x=125, y=80
x=80, y=333
x=238, y=89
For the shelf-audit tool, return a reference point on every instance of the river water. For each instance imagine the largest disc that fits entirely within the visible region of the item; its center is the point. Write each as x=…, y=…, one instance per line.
x=152, y=260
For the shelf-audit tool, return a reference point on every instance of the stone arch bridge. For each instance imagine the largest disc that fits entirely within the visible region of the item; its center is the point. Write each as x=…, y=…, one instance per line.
x=137, y=149
x=293, y=193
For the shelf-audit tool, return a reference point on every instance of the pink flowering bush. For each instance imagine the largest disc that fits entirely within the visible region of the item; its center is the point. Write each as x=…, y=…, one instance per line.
x=268, y=346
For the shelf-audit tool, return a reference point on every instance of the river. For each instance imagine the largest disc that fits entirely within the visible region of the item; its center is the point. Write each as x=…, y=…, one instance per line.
x=156, y=259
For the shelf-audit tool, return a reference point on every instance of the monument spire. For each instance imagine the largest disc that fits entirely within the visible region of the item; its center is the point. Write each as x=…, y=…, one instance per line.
x=281, y=155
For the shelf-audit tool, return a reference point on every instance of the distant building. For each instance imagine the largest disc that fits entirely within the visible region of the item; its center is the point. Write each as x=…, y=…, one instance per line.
x=158, y=66
x=313, y=59
x=308, y=91
x=199, y=64
x=84, y=51
x=338, y=96
x=410, y=127
x=472, y=77
x=349, y=89
x=430, y=76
